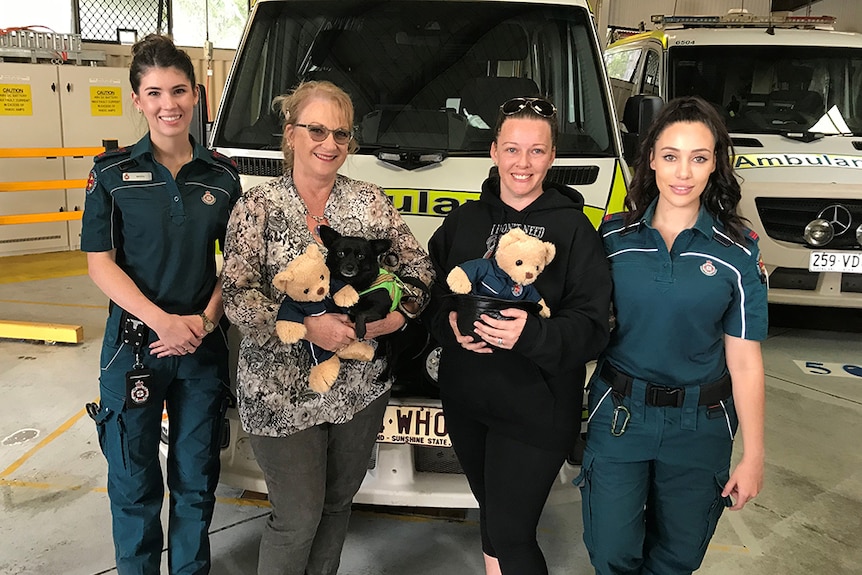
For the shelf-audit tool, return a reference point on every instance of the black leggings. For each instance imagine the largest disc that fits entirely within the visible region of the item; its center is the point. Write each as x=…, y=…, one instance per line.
x=511, y=481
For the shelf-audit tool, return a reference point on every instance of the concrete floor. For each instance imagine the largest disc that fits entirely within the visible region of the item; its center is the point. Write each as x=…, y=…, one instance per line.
x=55, y=518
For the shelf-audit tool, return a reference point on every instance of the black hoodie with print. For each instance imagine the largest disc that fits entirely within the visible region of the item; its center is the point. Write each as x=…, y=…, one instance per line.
x=534, y=391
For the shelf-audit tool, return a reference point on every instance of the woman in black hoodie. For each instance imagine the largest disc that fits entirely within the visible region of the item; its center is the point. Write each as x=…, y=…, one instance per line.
x=513, y=399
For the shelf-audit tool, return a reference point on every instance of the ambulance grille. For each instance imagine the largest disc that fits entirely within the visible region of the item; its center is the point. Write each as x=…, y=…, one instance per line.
x=793, y=278
x=851, y=283
x=267, y=167
x=573, y=175
x=785, y=218
x=746, y=142
x=428, y=460
x=436, y=460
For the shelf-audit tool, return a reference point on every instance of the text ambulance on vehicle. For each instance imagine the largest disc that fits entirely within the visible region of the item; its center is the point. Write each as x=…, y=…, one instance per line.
x=427, y=79
x=791, y=95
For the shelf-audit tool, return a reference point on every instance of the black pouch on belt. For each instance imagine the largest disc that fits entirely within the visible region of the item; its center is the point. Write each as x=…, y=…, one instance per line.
x=139, y=380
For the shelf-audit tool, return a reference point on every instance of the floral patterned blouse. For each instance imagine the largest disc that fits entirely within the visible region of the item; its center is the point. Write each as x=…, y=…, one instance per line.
x=267, y=229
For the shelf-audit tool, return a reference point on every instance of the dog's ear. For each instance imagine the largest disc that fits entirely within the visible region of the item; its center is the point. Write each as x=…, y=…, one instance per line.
x=380, y=247
x=328, y=235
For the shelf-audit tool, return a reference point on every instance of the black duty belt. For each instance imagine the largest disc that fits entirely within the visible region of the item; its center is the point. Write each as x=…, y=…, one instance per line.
x=661, y=396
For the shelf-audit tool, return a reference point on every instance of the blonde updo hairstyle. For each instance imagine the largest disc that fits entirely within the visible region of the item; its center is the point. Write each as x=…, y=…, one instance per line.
x=291, y=105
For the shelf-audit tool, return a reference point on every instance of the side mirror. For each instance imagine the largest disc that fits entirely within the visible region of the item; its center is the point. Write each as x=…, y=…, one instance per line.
x=638, y=115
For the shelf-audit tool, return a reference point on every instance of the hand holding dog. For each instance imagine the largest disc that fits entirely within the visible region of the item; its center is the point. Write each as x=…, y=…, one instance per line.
x=331, y=331
x=389, y=324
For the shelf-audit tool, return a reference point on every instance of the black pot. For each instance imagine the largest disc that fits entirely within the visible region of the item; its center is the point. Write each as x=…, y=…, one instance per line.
x=470, y=307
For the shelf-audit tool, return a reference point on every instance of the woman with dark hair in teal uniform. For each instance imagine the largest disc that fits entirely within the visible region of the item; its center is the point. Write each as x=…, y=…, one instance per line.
x=684, y=358
x=153, y=214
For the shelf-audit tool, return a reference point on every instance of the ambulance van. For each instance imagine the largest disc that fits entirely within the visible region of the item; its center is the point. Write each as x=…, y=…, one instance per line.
x=426, y=79
x=790, y=91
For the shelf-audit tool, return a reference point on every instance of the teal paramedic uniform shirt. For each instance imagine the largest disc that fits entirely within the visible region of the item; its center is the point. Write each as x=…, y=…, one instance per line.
x=673, y=309
x=164, y=230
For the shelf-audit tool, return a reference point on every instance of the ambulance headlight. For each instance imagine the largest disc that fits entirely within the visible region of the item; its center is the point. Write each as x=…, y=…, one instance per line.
x=819, y=232
x=859, y=235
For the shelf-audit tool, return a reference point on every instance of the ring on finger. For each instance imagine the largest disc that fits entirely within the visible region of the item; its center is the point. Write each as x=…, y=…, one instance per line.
x=499, y=341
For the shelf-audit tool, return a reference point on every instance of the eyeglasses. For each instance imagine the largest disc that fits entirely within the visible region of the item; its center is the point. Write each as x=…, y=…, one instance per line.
x=319, y=133
x=538, y=105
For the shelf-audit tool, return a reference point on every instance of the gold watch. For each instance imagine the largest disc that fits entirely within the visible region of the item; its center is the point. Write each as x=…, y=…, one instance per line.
x=209, y=326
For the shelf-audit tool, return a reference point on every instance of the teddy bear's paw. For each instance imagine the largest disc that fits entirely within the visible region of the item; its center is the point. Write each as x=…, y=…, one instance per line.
x=289, y=331
x=323, y=375
x=346, y=297
x=458, y=281
x=357, y=350
x=545, y=311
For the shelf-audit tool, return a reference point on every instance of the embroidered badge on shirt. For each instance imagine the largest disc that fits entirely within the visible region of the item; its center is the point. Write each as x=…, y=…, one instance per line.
x=517, y=289
x=137, y=176
x=208, y=198
x=91, y=181
x=708, y=268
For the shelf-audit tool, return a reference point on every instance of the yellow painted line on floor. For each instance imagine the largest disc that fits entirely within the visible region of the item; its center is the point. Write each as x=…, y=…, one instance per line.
x=81, y=305
x=49, y=486
x=262, y=503
x=38, y=331
x=48, y=265
x=737, y=549
x=56, y=487
x=48, y=439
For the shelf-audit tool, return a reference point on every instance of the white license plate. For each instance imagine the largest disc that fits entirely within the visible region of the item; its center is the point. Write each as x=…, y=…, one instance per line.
x=419, y=425
x=847, y=262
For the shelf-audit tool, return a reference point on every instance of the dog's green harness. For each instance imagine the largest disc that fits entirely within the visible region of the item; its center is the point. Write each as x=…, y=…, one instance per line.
x=390, y=282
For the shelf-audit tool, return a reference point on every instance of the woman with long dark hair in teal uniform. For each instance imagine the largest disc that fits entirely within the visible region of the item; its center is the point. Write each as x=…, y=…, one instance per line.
x=153, y=214
x=684, y=365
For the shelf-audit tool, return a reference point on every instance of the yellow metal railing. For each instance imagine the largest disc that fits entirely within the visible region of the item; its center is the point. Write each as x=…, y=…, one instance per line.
x=35, y=330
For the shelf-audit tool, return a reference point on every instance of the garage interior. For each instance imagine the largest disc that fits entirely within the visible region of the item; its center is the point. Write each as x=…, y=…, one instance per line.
x=55, y=515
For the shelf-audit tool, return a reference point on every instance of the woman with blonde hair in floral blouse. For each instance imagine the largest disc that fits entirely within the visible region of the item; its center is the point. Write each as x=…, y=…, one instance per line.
x=313, y=448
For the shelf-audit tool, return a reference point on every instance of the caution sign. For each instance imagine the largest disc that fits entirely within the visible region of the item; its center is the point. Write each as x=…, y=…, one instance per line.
x=106, y=101
x=16, y=100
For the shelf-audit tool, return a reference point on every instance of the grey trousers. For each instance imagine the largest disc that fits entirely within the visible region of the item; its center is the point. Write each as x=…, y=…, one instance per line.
x=312, y=477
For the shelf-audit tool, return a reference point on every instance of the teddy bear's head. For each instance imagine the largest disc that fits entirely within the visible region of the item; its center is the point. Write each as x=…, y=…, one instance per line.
x=523, y=257
x=306, y=277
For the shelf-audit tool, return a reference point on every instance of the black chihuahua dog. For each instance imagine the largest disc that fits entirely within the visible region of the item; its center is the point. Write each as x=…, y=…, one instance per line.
x=353, y=260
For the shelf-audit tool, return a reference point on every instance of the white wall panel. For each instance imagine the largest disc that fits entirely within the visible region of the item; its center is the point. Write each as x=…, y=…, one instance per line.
x=120, y=56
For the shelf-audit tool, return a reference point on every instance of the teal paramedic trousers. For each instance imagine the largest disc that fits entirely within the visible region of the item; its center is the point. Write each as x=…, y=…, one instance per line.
x=651, y=497
x=192, y=389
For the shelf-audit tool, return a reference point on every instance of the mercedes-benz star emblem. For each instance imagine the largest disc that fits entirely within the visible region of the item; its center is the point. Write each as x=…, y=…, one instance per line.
x=838, y=216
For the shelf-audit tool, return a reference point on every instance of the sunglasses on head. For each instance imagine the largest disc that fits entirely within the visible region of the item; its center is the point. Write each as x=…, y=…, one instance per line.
x=319, y=133
x=538, y=105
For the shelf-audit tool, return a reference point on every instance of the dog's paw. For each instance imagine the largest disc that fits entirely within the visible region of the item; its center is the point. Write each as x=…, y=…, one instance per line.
x=346, y=297
x=357, y=350
x=289, y=331
x=458, y=281
x=323, y=375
